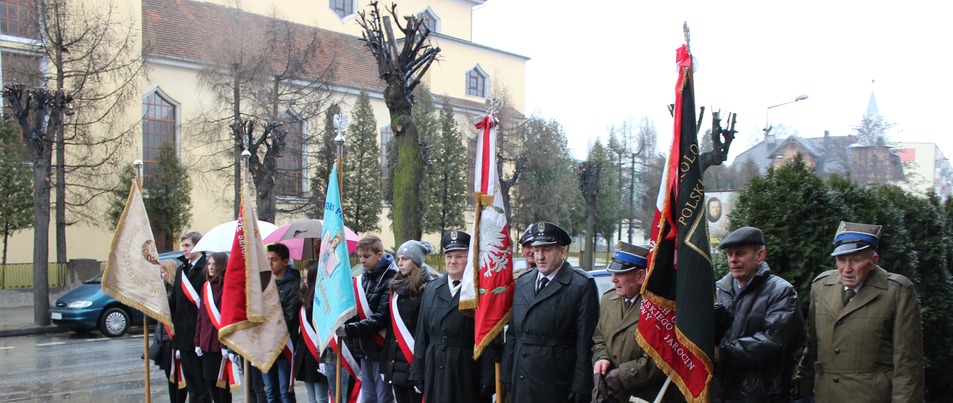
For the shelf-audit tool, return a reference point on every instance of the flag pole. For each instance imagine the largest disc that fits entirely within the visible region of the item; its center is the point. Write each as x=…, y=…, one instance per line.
x=340, y=124
x=247, y=387
x=145, y=319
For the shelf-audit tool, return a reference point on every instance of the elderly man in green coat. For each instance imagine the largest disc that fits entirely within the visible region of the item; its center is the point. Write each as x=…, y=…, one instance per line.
x=620, y=367
x=865, y=341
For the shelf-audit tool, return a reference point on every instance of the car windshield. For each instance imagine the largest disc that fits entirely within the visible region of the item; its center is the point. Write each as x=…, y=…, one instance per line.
x=95, y=280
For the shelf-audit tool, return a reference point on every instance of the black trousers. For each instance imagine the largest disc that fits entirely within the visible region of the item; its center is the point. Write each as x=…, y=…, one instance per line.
x=194, y=382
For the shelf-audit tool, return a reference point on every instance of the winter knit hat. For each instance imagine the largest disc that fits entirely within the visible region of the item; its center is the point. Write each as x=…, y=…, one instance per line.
x=416, y=251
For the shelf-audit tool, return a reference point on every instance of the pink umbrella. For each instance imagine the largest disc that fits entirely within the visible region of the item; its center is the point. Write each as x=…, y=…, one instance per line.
x=294, y=235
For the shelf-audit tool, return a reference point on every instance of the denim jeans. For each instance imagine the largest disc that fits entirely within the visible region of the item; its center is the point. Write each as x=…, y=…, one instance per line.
x=373, y=386
x=317, y=391
x=277, y=382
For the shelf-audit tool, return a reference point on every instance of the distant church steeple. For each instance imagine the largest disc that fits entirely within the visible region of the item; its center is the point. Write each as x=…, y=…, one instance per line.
x=872, y=112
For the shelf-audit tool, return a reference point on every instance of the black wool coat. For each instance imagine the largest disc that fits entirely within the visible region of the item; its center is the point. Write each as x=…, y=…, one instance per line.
x=548, y=349
x=443, y=355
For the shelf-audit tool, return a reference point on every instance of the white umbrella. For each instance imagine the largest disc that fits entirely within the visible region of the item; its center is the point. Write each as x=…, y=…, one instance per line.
x=220, y=238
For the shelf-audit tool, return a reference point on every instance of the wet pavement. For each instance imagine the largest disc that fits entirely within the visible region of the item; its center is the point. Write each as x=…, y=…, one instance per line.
x=69, y=367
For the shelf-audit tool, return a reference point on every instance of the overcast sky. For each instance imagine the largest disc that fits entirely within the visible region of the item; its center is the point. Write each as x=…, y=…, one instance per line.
x=597, y=63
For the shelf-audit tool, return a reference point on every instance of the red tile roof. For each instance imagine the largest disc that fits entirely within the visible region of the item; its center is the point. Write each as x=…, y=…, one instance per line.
x=202, y=32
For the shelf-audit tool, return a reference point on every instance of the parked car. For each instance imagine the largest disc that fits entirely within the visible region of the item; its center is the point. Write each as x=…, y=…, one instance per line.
x=603, y=280
x=86, y=308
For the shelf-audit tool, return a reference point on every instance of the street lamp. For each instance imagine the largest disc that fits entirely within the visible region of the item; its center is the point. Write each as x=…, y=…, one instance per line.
x=340, y=123
x=767, y=128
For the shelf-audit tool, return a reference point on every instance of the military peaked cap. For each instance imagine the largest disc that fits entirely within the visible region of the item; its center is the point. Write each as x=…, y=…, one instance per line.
x=628, y=257
x=854, y=237
x=547, y=233
x=455, y=240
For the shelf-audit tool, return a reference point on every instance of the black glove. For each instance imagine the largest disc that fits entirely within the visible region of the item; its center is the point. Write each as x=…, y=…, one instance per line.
x=599, y=393
x=723, y=321
x=487, y=390
x=573, y=398
x=614, y=382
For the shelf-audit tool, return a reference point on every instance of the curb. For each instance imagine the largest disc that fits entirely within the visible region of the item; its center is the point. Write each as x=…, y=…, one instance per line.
x=27, y=331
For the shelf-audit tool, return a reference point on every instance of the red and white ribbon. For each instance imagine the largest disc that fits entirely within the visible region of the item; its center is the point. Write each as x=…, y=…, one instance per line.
x=229, y=377
x=210, y=307
x=405, y=339
x=363, y=308
x=289, y=353
x=190, y=292
x=351, y=366
x=310, y=337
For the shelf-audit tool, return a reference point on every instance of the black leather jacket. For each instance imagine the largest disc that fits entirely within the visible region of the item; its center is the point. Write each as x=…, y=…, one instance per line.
x=360, y=334
x=757, y=350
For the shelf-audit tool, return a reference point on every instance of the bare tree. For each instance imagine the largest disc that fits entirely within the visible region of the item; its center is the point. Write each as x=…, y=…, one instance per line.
x=39, y=111
x=92, y=55
x=401, y=68
x=269, y=83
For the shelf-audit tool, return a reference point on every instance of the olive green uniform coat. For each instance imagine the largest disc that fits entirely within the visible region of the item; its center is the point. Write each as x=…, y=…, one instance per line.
x=870, y=350
x=614, y=340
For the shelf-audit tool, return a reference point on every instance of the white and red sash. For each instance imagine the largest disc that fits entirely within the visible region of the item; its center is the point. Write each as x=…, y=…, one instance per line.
x=175, y=371
x=405, y=339
x=190, y=292
x=350, y=364
x=364, y=309
x=310, y=337
x=229, y=376
x=213, y=312
x=289, y=353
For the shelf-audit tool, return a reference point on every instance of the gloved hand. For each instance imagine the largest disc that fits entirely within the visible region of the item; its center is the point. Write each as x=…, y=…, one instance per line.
x=487, y=390
x=198, y=351
x=178, y=355
x=599, y=392
x=573, y=398
x=614, y=382
x=340, y=332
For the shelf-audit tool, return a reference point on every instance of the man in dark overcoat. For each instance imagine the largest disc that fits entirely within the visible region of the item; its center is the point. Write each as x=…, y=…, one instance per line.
x=547, y=353
x=443, y=349
x=622, y=366
x=864, y=336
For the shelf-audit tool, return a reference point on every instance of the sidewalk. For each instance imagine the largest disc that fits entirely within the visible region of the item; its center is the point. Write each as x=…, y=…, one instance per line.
x=18, y=321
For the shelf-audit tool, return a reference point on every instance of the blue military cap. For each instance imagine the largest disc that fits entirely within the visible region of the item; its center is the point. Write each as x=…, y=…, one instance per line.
x=547, y=233
x=854, y=237
x=742, y=237
x=455, y=240
x=628, y=257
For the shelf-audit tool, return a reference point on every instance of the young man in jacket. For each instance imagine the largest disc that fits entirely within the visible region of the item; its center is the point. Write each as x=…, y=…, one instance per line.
x=278, y=379
x=366, y=335
x=184, y=303
x=754, y=359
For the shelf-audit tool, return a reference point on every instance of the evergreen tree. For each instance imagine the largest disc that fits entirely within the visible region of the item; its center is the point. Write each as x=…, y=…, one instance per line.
x=609, y=210
x=16, y=185
x=798, y=214
x=325, y=156
x=167, y=198
x=543, y=193
x=424, y=114
x=445, y=177
x=362, y=169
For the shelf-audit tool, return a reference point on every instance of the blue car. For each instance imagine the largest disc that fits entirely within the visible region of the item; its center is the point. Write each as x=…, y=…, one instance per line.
x=86, y=308
x=603, y=280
